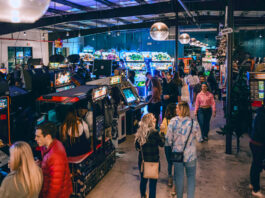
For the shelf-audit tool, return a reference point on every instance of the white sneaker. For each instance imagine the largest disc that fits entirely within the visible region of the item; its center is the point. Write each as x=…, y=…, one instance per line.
x=258, y=194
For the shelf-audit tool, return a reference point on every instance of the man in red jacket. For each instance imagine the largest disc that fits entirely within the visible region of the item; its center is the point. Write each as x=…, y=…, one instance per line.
x=56, y=174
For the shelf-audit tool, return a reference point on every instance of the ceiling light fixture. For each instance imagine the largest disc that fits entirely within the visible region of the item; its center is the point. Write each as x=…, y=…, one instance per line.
x=184, y=38
x=22, y=11
x=25, y=34
x=79, y=35
x=67, y=33
x=159, y=31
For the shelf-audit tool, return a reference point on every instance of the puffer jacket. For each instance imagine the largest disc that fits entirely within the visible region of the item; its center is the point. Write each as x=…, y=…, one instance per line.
x=56, y=174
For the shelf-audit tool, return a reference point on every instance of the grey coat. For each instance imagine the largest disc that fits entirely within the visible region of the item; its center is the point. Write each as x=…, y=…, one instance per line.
x=8, y=188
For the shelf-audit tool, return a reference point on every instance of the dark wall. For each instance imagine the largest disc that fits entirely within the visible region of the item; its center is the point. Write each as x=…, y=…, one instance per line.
x=251, y=42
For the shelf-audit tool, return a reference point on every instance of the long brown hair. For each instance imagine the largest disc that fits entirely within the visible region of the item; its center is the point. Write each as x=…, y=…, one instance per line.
x=70, y=124
x=27, y=173
x=156, y=84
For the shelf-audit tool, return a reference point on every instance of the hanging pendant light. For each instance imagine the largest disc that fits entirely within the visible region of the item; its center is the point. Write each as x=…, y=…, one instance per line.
x=184, y=38
x=22, y=11
x=159, y=31
x=192, y=41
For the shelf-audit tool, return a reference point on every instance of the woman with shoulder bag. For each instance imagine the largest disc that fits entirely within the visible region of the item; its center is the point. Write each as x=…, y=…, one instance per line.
x=181, y=135
x=147, y=141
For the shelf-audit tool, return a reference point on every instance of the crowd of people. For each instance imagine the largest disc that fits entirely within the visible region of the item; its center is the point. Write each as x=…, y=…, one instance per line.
x=178, y=132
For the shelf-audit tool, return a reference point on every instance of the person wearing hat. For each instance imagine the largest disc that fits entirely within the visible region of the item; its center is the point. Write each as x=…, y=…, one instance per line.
x=204, y=109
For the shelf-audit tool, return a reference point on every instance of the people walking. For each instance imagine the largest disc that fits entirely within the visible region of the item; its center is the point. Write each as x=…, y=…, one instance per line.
x=25, y=178
x=192, y=80
x=147, y=141
x=56, y=174
x=204, y=109
x=169, y=114
x=154, y=102
x=182, y=130
x=257, y=146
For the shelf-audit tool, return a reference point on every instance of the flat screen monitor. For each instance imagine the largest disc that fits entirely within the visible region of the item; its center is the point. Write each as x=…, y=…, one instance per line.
x=62, y=79
x=129, y=96
x=99, y=93
x=4, y=119
x=102, y=68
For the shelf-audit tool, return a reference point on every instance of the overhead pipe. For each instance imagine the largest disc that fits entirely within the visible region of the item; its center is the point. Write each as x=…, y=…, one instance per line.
x=188, y=12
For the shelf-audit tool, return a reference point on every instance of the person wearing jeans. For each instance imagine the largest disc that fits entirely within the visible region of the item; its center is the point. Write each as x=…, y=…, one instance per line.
x=179, y=129
x=147, y=141
x=204, y=108
x=190, y=168
x=257, y=146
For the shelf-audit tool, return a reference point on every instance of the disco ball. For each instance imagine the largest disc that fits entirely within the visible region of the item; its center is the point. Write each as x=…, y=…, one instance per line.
x=159, y=31
x=184, y=38
x=22, y=11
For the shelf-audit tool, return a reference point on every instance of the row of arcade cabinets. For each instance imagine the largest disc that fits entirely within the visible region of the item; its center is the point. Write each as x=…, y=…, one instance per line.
x=256, y=81
x=135, y=62
x=128, y=107
x=88, y=168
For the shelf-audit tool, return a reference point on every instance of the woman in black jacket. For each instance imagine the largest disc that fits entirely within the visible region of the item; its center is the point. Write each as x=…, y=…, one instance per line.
x=148, y=140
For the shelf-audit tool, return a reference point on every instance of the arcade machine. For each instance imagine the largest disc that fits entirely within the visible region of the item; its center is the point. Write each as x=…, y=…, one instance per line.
x=5, y=139
x=62, y=81
x=161, y=61
x=187, y=62
x=135, y=62
x=87, y=169
x=256, y=81
x=88, y=60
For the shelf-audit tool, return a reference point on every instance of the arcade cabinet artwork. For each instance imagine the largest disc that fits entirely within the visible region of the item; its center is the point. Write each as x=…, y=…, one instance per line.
x=161, y=61
x=135, y=62
x=187, y=62
x=89, y=168
x=256, y=82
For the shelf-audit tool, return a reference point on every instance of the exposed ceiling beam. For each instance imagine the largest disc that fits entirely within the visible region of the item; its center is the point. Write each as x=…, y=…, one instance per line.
x=141, y=1
x=113, y=5
x=239, y=21
x=156, y=8
x=73, y=5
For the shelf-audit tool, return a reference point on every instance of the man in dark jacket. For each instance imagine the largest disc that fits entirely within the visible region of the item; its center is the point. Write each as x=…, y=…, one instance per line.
x=56, y=174
x=257, y=146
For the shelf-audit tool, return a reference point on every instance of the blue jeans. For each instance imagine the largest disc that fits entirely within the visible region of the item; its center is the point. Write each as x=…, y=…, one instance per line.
x=168, y=152
x=204, y=118
x=179, y=178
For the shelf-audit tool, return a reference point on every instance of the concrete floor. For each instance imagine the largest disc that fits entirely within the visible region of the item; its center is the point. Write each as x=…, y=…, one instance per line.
x=218, y=175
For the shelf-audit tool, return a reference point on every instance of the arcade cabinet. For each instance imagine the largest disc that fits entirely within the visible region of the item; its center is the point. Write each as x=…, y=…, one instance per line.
x=256, y=81
x=4, y=136
x=102, y=68
x=89, y=168
x=135, y=62
x=161, y=61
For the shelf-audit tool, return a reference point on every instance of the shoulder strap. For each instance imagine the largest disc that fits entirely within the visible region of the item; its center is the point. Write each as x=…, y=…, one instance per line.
x=189, y=135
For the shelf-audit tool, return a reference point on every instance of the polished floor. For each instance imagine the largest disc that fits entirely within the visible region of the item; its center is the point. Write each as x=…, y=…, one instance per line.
x=218, y=175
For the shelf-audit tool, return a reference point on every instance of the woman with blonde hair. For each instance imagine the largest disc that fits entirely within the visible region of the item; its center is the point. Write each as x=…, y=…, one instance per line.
x=147, y=141
x=25, y=178
x=182, y=133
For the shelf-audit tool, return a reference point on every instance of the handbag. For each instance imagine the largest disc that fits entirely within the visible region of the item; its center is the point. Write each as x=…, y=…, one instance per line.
x=179, y=156
x=150, y=170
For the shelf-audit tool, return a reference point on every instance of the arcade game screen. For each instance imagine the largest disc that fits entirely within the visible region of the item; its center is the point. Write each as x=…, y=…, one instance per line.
x=3, y=104
x=130, y=97
x=140, y=78
x=99, y=93
x=261, y=89
x=115, y=80
x=62, y=78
